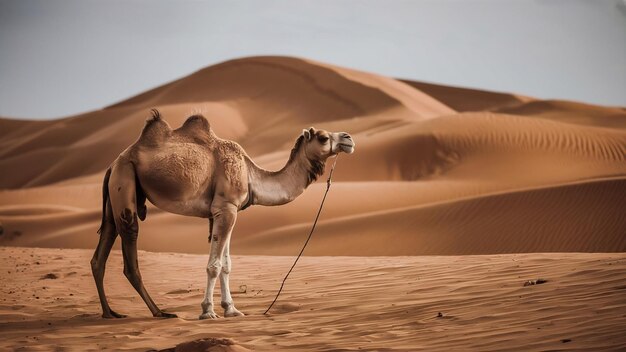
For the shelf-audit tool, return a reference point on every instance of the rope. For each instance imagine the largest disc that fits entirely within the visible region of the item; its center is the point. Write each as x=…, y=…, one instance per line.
x=328, y=182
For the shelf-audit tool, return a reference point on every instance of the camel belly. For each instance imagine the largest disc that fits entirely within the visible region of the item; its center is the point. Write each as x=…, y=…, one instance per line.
x=197, y=207
x=177, y=177
x=173, y=198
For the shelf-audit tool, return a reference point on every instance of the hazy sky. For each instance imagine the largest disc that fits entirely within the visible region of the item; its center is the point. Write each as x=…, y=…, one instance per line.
x=64, y=57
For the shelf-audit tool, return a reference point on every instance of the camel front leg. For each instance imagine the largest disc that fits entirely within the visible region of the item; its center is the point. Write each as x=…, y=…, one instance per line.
x=227, y=300
x=224, y=218
x=213, y=268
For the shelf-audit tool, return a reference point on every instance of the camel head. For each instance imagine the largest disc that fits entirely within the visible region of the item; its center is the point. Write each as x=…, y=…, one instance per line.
x=321, y=144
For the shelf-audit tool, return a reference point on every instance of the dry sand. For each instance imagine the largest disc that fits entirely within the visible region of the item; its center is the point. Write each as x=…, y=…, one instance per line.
x=469, y=174
x=329, y=303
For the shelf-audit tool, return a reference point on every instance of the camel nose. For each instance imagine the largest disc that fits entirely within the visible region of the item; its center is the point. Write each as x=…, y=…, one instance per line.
x=345, y=135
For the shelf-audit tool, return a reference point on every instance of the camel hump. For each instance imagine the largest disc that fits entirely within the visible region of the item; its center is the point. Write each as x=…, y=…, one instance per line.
x=196, y=128
x=197, y=123
x=156, y=129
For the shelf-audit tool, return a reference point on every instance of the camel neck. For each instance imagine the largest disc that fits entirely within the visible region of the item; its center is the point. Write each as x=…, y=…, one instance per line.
x=285, y=185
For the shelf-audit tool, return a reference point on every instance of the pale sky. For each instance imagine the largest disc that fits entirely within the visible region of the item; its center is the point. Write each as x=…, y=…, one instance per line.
x=62, y=57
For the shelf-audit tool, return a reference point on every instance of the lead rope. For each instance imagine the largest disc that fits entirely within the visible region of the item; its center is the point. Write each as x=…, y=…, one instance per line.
x=328, y=182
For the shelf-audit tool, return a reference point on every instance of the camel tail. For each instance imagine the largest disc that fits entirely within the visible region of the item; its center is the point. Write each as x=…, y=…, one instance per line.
x=105, y=197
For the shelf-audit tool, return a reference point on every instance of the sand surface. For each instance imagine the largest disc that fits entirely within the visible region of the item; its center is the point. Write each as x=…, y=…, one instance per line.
x=437, y=170
x=329, y=303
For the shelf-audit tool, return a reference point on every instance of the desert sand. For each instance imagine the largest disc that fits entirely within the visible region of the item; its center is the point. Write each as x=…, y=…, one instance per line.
x=446, y=191
x=329, y=303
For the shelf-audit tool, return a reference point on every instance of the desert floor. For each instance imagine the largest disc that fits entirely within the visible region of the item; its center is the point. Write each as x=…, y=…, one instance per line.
x=329, y=303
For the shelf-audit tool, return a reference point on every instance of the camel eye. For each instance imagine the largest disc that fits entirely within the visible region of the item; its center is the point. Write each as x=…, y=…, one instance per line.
x=322, y=139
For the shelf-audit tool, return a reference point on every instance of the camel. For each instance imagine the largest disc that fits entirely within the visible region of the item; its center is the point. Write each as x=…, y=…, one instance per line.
x=190, y=171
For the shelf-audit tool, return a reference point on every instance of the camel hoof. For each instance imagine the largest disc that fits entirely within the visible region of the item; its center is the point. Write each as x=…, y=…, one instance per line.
x=208, y=315
x=233, y=312
x=165, y=315
x=113, y=315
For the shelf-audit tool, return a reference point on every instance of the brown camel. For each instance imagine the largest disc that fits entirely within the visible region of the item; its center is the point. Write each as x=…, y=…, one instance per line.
x=190, y=171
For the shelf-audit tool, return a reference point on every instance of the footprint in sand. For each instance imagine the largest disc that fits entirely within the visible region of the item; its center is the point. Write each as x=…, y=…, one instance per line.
x=283, y=308
x=207, y=344
x=177, y=292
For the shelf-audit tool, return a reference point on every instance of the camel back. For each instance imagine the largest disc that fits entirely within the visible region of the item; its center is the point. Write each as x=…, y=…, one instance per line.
x=196, y=129
x=157, y=130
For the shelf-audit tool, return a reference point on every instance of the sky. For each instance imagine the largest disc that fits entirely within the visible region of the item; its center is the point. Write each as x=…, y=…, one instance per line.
x=63, y=57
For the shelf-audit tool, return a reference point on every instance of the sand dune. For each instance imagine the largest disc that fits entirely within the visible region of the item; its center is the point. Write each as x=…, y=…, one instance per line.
x=465, y=99
x=499, y=223
x=438, y=170
x=570, y=112
x=428, y=303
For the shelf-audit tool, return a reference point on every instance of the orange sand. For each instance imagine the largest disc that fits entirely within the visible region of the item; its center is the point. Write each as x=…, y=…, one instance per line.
x=329, y=303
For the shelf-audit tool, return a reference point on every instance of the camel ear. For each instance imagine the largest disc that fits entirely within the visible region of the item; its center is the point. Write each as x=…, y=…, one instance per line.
x=308, y=134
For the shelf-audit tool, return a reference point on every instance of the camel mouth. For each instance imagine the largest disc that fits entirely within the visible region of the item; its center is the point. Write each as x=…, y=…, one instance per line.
x=346, y=148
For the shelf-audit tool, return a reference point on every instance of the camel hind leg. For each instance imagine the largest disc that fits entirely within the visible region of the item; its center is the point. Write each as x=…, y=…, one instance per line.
x=123, y=195
x=100, y=256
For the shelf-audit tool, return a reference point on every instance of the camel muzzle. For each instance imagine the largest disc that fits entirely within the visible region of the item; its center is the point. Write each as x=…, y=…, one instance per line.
x=345, y=143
